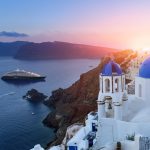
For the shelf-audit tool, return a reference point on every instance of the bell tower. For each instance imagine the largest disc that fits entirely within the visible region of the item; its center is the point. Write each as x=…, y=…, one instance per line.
x=111, y=98
x=112, y=87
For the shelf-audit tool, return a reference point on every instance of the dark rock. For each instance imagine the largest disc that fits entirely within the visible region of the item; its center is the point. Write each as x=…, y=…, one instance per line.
x=60, y=134
x=51, y=120
x=34, y=96
x=56, y=95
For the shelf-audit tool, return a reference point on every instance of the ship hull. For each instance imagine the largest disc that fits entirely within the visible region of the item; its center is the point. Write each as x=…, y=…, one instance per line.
x=22, y=78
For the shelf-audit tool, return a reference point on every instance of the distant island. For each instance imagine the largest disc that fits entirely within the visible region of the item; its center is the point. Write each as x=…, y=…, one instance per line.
x=11, y=48
x=52, y=50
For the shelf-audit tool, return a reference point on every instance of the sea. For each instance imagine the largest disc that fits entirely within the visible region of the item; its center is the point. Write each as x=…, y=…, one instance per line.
x=19, y=128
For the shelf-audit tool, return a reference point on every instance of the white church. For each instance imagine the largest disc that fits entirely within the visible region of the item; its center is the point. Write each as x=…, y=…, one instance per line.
x=122, y=121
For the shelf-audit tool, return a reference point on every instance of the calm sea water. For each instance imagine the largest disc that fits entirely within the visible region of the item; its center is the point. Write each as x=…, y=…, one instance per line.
x=19, y=129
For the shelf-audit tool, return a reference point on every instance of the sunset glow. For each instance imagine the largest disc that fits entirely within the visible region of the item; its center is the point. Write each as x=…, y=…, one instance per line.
x=115, y=23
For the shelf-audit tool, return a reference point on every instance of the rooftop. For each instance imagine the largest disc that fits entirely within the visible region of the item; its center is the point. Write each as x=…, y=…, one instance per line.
x=144, y=70
x=111, y=68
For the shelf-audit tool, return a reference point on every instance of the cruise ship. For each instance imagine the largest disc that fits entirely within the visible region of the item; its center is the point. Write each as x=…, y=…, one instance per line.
x=22, y=75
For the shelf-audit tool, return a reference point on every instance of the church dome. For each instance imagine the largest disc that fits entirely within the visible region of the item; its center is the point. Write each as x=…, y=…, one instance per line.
x=144, y=70
x=111, y=68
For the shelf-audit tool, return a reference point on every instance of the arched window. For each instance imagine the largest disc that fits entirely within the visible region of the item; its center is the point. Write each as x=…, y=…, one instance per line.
x=140, y=90
x=123, y=84
x=117, y=85
x=107, y=85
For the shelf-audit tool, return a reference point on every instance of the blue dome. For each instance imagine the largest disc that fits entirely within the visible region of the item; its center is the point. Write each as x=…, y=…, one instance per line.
x=144, y=70
x=111, y=68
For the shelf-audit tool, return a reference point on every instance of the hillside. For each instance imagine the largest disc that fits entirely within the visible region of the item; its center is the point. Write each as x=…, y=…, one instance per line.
x=10, y=48
x=61, y=50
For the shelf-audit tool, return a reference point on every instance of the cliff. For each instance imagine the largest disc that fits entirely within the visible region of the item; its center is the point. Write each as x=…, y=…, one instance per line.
x=61, y=50
x=74, y=103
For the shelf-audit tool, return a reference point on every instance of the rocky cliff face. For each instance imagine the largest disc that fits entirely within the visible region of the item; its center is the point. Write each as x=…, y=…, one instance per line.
x=74, y=103
x=34, y=96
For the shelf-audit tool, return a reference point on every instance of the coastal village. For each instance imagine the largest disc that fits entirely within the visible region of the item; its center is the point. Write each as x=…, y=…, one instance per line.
x=75, y=75
x=122, y=120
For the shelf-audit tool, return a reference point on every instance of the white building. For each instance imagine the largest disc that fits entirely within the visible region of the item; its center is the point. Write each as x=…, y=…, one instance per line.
x=112, y=88
x=136, y=62
x=86, y=136
x=142, y=81
x=112, y=98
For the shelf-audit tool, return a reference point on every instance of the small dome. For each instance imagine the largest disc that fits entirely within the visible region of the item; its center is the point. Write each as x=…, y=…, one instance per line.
x=144, y=70
x=111, y=68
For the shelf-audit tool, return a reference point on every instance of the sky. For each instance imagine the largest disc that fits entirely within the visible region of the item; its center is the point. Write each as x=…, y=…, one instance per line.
x=112, y=23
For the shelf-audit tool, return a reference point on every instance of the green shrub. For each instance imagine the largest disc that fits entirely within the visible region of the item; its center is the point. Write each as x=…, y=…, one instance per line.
x=130, y=137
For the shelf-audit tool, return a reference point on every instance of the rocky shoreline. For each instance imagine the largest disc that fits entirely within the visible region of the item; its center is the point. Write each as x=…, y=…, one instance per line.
x=34, y=96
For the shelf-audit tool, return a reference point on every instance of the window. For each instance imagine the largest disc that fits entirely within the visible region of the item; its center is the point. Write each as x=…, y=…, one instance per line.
x=107, y=85
x=140, y=90
x=117, y=85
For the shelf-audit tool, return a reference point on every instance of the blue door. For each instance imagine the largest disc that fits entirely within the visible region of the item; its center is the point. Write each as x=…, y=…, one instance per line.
x=94, y=129
x=73, y=148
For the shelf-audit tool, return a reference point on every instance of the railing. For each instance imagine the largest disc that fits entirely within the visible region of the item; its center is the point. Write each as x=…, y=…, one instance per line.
x=144, y=143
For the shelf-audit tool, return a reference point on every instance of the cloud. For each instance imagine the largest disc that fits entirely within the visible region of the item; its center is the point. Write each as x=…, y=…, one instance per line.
x=12, y=34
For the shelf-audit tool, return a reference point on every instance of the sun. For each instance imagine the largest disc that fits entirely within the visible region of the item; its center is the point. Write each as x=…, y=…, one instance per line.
x=146, y=49
x=142, y=50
